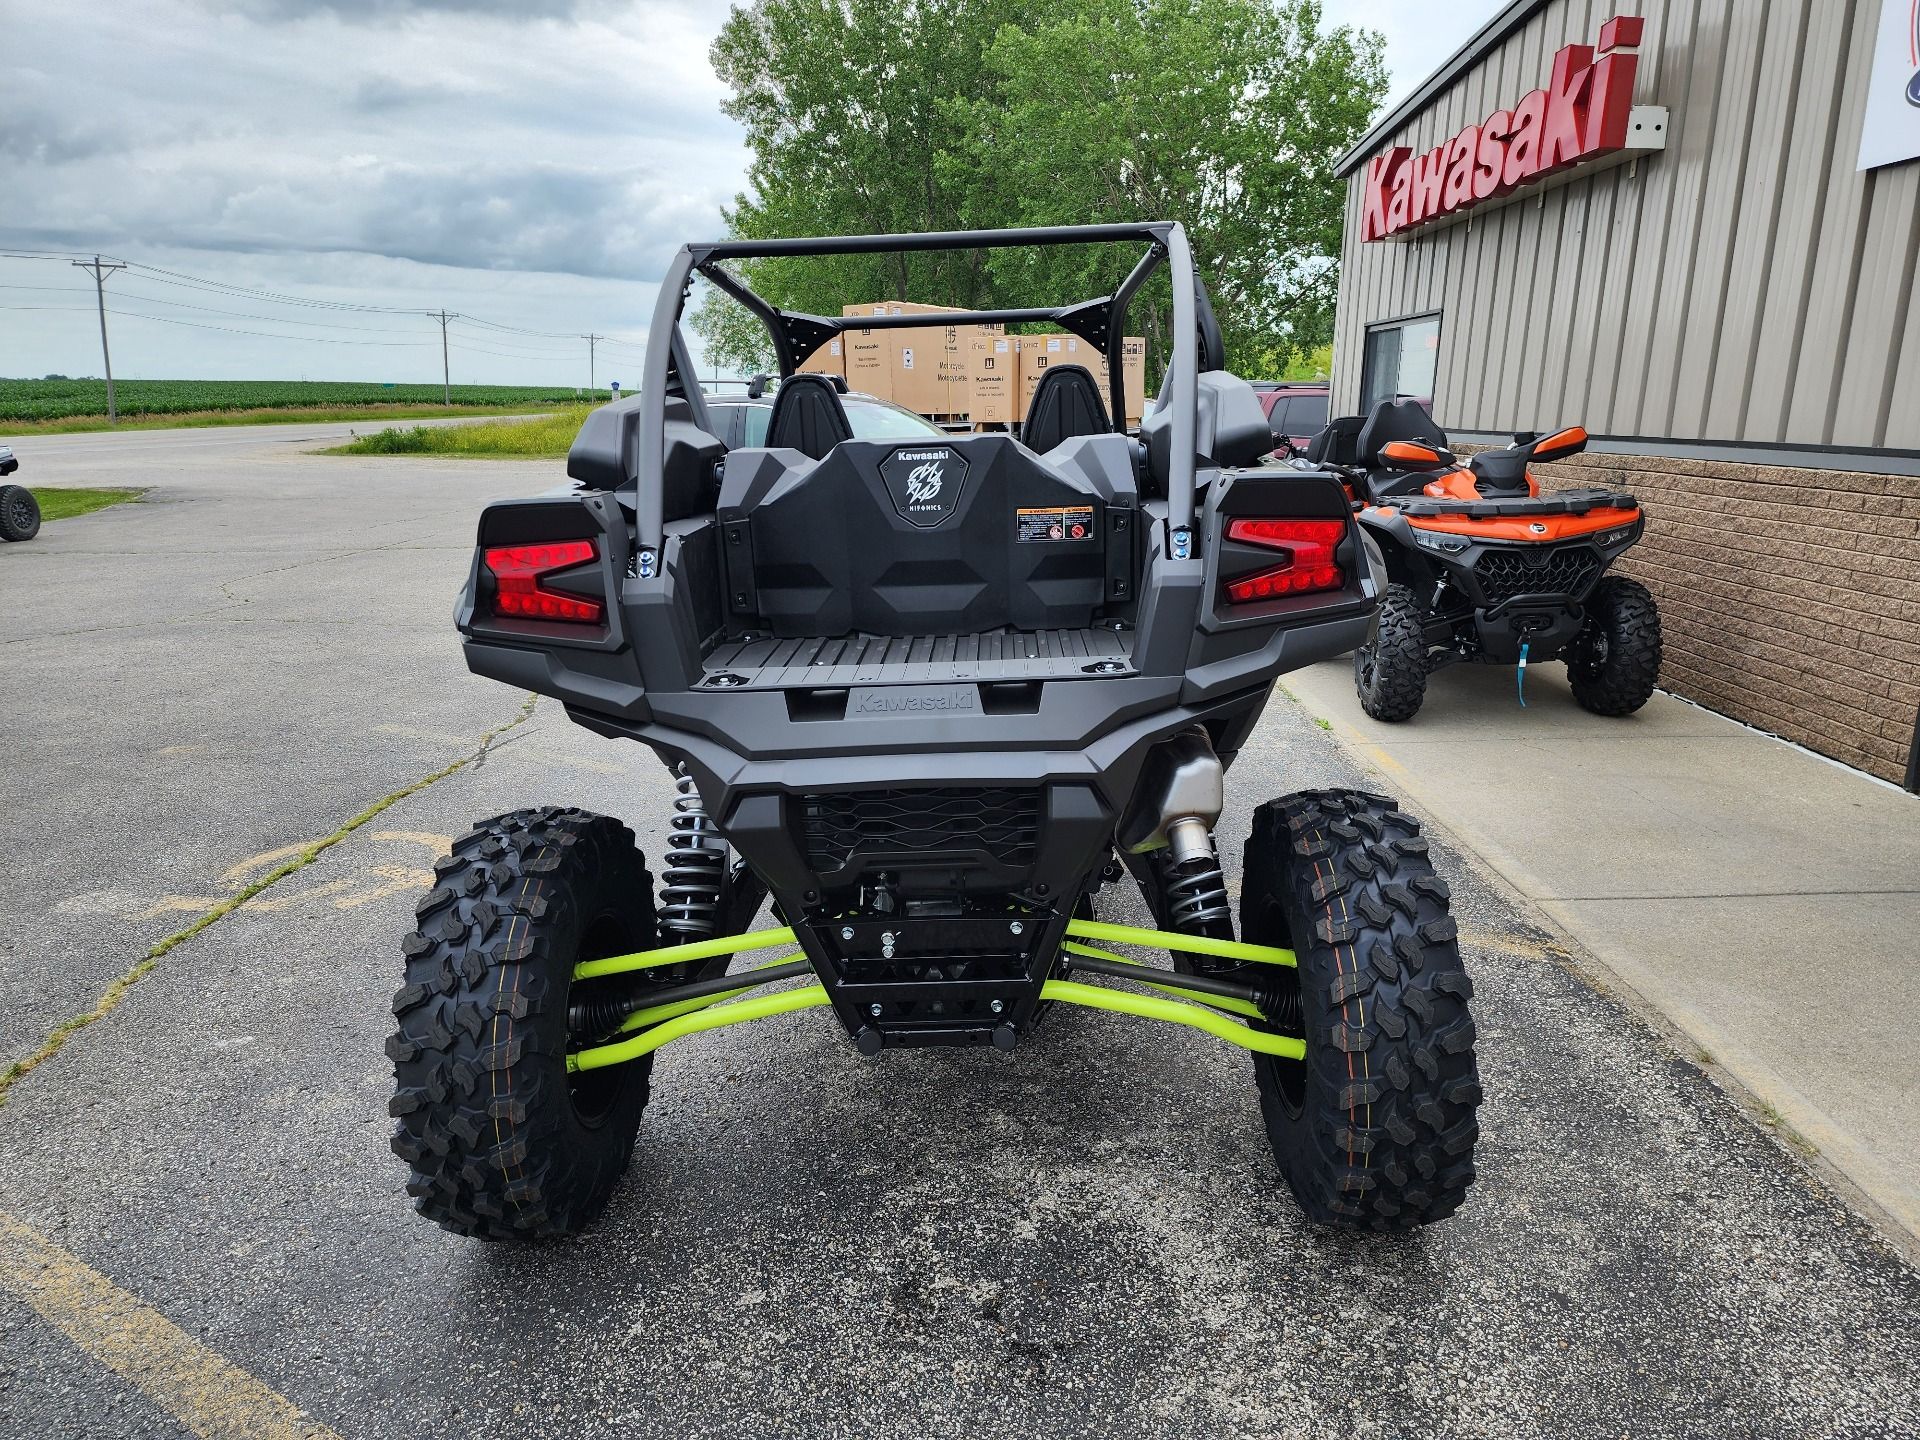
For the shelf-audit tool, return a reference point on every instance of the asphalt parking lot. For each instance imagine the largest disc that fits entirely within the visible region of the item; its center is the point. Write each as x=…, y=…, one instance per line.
x=1083, y=1238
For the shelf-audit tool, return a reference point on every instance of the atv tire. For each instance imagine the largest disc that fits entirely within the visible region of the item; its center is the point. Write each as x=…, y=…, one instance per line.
x=19, y=513
x=1390, y=670
x=1613, y=665
x=503, y=1142
x=1374, y=1129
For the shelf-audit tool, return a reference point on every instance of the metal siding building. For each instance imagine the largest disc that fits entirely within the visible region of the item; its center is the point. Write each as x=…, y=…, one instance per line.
x=1735, y=314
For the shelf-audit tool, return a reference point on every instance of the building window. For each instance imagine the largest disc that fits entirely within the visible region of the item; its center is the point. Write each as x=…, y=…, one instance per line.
x=1400, y=361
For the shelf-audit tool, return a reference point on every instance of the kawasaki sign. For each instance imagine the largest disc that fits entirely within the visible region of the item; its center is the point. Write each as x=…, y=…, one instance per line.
x=1586, y=113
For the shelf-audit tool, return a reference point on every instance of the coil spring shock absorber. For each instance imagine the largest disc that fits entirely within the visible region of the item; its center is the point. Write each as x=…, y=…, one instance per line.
x=695, y=866
x=1196, y=888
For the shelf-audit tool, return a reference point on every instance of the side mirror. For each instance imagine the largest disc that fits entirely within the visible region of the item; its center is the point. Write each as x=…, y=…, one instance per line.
x=1410, y=456
x=1560, y=445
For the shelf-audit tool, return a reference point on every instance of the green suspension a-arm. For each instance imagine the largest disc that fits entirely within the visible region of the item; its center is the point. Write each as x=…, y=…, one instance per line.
x=656, y=1025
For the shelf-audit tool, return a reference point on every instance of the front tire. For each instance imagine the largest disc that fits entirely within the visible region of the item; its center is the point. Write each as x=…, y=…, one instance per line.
x=1374, y=1129
x=19, y=513
x=502, y=1141
x=1613, y=665
x=1390, y=670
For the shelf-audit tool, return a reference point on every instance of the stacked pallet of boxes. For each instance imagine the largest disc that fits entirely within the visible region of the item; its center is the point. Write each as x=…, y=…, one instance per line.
x=1039, y=353
x=974, y=373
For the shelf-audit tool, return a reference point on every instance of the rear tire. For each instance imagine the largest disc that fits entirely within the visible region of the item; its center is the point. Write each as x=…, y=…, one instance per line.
x=502, y=1141
x=1390, y=670
x=1374, y=1129
x=1614, y=663
x=19, y=513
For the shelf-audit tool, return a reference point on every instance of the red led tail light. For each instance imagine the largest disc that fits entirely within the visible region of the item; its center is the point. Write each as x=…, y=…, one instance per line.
x=1309, y=547
x=517, y=571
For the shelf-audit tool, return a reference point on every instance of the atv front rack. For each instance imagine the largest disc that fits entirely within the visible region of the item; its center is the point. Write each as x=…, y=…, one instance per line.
x=1203, y=1002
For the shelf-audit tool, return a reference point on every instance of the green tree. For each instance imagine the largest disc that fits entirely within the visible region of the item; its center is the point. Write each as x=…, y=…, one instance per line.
x=869, y=116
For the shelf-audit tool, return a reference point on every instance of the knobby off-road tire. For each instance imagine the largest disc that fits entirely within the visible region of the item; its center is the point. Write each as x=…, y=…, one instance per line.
x=19, y=513
x=1614, y=663
x=503, y=1144
x=1375, y=1128
x=1390, y=670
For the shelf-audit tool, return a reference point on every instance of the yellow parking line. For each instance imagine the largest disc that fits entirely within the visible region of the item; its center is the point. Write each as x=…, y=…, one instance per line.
x=211, y=1397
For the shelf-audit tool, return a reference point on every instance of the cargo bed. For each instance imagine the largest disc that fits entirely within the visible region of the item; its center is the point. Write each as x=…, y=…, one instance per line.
x=918, y=659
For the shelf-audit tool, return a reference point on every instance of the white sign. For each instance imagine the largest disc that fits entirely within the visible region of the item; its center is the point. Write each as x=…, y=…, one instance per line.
x=1892, y=131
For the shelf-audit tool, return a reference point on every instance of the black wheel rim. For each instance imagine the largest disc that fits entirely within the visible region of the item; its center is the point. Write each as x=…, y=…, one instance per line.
x=1366, y=666
x=20, y=513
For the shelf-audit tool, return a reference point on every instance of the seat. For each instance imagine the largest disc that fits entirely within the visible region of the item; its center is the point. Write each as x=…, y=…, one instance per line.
x=1066, y=403
x=1338, y=444
x=808, y=417
x=1396, y=420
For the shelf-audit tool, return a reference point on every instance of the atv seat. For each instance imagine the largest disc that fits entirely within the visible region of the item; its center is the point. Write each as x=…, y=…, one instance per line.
x=808, y=417
x=1066, y=403
x=1393, y=420
x=1338, y=444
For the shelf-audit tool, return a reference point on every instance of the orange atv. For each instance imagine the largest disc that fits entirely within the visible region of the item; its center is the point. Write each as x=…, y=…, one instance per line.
x=1486, y=568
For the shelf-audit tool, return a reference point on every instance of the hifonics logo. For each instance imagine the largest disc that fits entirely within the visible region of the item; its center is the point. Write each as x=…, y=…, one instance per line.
x=1581, y=115
x=925, y=483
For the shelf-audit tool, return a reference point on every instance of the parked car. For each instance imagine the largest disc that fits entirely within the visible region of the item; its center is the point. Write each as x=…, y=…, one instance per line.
x=1295, y=413
x=8, y=464
x=740, y=419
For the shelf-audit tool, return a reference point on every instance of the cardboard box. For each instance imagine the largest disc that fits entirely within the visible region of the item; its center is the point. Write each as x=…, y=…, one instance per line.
x=1133, y=376
x=869, y=362
x=928, y=371
x=993, y=374
x=1038, y=353
x=829, y=359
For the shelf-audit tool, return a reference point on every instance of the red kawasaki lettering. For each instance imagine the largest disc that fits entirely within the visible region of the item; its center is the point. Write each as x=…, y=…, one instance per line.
x=1400, y=198
x=1429, y=181
x=1490, y=164
x=1460, y=155
x=1523, y=141
x=1380, y=169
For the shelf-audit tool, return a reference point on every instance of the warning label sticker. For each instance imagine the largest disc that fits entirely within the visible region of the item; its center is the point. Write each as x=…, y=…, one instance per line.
x=1059, y=522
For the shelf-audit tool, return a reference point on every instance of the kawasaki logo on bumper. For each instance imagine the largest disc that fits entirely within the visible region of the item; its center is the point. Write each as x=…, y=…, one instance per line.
x=925, y=482
x=912, y=699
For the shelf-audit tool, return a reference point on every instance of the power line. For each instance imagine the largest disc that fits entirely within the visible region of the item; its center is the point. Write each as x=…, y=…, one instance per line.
x=230, y=330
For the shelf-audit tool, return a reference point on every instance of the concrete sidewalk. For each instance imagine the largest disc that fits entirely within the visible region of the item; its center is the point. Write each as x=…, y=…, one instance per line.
x=1766, y=901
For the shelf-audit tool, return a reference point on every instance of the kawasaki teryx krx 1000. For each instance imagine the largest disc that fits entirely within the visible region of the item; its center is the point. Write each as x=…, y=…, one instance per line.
x=927, y=697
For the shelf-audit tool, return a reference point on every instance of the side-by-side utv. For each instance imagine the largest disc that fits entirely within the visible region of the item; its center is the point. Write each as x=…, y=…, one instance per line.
x=926, y=698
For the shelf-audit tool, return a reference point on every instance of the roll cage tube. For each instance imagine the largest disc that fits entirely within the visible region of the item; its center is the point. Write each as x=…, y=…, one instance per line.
x=667, y=352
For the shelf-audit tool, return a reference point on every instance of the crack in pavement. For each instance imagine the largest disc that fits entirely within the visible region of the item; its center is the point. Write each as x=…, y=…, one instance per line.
x=111, y=997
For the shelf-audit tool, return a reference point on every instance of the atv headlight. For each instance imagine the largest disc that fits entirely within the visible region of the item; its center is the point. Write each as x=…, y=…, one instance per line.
x=1439, y=540
x=1611, y=538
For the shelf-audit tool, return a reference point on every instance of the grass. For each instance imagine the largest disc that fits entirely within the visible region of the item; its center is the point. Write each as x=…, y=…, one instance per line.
x=65, y=504
x=280, y=415
x=545, y=437
x=82, y=404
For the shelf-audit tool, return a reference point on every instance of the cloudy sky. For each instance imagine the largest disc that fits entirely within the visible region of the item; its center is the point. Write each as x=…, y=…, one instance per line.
x=525, y=163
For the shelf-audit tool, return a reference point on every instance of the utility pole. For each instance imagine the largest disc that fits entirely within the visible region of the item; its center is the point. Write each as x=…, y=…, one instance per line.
x=591, y=340
x=100, y=273
x=446, y=382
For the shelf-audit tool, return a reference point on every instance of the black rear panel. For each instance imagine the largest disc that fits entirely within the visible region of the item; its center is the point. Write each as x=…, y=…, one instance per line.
x=919, y=538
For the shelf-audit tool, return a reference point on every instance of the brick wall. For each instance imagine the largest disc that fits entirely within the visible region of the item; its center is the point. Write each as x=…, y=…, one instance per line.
x=1790, y=599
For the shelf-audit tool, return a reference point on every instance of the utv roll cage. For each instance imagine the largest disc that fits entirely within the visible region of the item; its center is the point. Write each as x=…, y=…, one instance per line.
x=670, y=371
